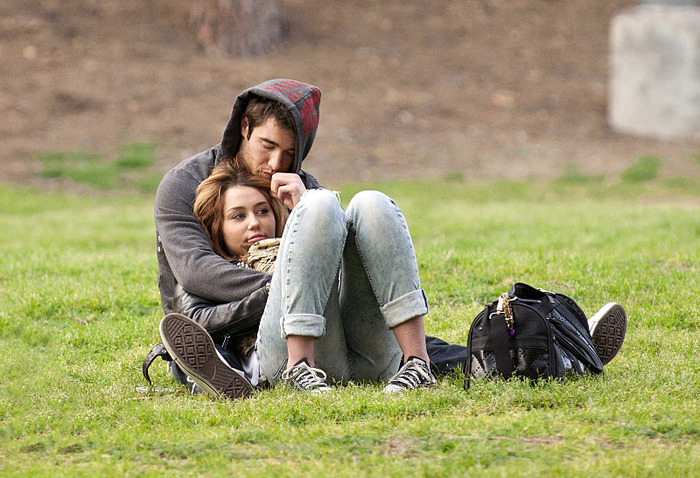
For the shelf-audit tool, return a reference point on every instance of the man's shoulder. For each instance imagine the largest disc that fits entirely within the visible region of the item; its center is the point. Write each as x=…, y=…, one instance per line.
x=198, y=166
x=192, y=170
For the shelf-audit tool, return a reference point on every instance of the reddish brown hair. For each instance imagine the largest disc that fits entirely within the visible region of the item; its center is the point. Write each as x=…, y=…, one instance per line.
x=209, y=202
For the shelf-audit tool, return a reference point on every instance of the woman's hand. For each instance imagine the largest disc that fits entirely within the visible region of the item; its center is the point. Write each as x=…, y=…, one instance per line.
x=288, y=188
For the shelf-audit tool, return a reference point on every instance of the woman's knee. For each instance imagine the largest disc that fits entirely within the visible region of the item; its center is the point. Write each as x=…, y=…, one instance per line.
x=321, y=208
x=370, y=210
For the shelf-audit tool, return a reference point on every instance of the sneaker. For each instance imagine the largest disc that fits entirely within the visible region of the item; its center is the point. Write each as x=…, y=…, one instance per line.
x=608, y=327
x=306, y=378
x=415, y=373
x=193, y=350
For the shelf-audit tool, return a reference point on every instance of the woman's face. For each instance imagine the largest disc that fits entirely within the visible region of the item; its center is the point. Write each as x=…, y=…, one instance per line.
x=248, y=218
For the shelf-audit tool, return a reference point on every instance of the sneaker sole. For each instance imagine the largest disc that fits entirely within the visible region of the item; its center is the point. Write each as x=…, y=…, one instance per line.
x=191, y=347
x=609, y=331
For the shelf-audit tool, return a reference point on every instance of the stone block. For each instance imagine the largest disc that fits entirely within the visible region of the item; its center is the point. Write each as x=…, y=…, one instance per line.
x=669, y=2
x=654, y=86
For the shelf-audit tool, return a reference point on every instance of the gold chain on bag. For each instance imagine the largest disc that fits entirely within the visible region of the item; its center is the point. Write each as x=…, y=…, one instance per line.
x=503, y=307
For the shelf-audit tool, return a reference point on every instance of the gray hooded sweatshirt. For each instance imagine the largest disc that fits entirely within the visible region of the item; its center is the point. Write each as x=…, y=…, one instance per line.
x=185, y=255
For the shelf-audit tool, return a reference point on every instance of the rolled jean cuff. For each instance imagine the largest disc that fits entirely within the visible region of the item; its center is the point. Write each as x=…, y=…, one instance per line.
x=308, y=325
x=405, y=307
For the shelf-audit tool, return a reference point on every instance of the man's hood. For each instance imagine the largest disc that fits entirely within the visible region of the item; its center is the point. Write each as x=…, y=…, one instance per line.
x=303, y=102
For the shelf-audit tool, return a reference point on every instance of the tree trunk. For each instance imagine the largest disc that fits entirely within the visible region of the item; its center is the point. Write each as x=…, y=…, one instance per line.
x=237, y=27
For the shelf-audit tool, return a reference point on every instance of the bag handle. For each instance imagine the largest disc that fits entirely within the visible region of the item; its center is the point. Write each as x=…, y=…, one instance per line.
x=501, y=330
x=158, y=350
x=499, y=340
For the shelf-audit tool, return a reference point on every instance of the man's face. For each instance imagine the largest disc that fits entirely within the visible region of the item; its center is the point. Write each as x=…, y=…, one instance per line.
x=269, y=150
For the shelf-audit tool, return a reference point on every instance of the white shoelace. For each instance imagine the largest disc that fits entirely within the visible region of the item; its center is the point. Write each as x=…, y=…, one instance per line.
x=413, y=374
x=306, y=378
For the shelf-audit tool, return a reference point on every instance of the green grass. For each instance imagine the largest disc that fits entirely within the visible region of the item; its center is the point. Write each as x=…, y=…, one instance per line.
x=644, y=169
x=132, y=169
x=79, y=309
x=573, y=176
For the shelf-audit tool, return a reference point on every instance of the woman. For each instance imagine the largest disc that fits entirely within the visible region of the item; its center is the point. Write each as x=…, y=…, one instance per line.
x=237, y=213
x=345, y=299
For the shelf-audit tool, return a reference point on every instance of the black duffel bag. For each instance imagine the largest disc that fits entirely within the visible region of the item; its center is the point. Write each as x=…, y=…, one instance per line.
x=530, y=333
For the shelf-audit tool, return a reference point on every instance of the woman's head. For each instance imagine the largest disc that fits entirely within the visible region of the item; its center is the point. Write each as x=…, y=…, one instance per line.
x=236, y=209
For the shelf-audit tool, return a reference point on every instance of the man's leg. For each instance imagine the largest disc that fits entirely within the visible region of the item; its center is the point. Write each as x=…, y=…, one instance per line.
x=608, y=328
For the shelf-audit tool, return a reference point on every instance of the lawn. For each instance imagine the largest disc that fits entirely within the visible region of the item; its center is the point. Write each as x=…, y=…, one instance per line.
x=79, y=309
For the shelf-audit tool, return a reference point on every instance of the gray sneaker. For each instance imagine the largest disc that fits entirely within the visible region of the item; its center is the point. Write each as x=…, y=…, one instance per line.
x=305, y=378
x=608, y=327
x=415, y=373
x=193, y=350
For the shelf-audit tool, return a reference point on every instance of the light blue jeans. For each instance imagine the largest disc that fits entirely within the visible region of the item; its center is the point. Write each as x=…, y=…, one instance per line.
x=346, y=278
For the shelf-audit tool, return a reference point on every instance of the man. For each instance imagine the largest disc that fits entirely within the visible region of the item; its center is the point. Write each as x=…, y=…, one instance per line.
x=269, y=137
x=184, y=253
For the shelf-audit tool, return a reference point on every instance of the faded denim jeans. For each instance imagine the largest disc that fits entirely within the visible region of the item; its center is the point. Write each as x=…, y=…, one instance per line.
x=346, y=278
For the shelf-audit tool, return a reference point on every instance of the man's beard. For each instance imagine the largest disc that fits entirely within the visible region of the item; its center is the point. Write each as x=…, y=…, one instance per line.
x=242, y=160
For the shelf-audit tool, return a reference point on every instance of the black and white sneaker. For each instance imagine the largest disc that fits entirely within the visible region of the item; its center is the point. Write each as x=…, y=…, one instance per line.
x=415, y=373
x=193, y=350
x=608, y=327
x=305, y=378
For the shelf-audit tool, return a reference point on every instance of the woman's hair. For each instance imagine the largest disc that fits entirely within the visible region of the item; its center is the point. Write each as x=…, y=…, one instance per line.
x=209, y=202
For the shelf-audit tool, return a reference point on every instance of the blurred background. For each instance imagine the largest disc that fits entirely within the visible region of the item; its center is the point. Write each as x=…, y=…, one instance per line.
x=472, y=89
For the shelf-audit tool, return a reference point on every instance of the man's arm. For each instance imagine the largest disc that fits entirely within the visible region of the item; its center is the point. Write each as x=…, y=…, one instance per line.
x=237, y=319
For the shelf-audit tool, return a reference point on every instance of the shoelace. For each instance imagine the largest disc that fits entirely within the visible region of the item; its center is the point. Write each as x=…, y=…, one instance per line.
x=307, y=378
x=194, y=388
x=412, y=374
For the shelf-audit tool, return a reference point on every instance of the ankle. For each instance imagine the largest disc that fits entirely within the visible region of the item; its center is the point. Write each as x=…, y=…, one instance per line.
x=291, y=362
x=407, y=357
x=299, y=348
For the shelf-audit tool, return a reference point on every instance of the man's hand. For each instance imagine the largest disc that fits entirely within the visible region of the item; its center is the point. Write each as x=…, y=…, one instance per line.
x=288, y=188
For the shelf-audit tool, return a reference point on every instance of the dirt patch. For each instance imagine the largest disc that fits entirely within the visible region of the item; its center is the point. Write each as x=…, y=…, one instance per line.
x=482, y=88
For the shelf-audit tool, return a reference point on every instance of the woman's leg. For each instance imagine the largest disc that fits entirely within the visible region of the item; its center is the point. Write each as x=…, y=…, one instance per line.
x=382, y=303
x=304, y=289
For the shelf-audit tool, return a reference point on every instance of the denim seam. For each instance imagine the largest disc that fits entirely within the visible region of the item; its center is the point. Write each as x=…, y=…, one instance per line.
x=364, y=266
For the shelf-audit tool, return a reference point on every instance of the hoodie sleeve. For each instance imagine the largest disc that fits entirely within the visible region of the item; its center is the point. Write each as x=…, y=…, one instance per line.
x=237, y=319
x=184, y=247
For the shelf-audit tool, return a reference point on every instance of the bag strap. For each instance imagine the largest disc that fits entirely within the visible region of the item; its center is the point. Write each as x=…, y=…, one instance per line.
x=468, y=359
x=158, y=350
